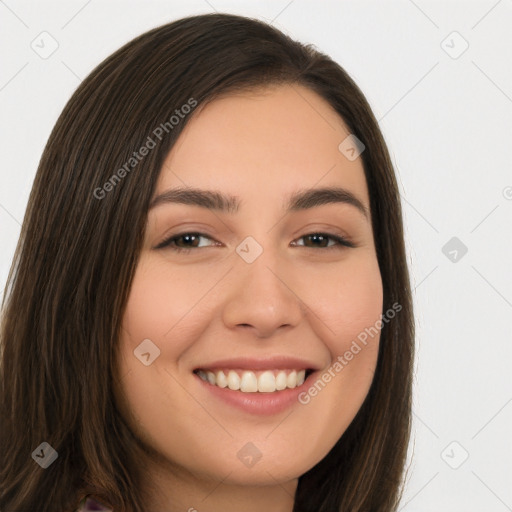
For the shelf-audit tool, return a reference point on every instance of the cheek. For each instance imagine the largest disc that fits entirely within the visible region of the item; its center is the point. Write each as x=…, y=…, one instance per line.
x=153, y=306
x=156, y=310
x=347, y=318
x=162, y=301
x=167, y=307
x=345, y=301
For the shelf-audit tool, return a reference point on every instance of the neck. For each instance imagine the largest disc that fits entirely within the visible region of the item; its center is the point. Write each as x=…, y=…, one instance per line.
x=175, y=490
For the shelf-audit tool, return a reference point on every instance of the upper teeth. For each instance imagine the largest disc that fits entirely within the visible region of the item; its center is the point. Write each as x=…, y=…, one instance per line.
x=249, y=382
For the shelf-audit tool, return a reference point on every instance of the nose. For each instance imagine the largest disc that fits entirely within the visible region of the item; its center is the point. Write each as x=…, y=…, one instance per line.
x=262, y=298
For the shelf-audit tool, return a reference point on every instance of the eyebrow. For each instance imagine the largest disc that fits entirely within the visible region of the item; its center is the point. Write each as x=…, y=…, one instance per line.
x=301, y=200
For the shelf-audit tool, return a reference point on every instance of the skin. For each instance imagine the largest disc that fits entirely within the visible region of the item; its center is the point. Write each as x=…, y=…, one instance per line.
x=208, y=303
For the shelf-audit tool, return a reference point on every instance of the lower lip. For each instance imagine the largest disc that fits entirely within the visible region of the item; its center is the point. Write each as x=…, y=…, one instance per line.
x=263, y=404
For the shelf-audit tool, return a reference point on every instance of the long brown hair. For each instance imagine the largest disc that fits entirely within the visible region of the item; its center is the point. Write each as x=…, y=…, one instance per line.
x=79, y=247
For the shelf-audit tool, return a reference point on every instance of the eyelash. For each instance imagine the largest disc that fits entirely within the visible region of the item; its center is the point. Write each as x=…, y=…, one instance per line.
x=341, y=242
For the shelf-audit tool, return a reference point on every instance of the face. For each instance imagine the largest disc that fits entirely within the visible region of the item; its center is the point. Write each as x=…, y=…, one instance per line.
x=257, y=291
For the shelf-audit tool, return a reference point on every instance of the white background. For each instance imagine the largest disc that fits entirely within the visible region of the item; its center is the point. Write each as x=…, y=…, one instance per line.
x=448, y=124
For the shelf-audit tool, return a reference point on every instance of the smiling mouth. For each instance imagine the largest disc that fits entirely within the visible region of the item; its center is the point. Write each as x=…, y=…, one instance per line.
x=248, y=381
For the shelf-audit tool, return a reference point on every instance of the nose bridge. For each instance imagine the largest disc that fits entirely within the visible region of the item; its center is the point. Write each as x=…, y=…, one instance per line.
x=261, y=296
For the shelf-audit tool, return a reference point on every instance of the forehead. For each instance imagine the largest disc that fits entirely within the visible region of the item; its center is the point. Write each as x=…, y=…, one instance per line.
x=269, y=141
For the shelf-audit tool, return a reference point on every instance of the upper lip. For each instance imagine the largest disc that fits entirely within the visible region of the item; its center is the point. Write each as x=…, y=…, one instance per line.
x=247, y=363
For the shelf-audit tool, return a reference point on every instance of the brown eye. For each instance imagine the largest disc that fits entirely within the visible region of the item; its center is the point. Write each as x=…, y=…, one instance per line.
x=183, y=242
x=321, y=241
x=191, y=240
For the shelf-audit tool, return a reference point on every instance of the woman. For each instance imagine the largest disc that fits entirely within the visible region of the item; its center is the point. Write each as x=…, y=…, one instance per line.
x=209, y=307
